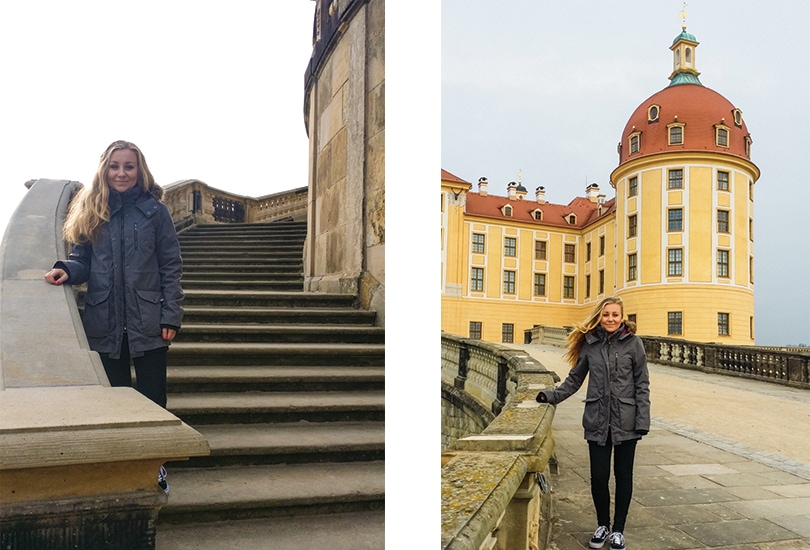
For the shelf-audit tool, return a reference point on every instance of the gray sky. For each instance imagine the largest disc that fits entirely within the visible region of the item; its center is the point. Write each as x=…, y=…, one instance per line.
x=207, y=90
x=545, y=88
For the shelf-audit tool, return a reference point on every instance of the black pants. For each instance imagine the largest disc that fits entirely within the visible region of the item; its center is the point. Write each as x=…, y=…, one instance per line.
x=150, y=372
x=624, y=455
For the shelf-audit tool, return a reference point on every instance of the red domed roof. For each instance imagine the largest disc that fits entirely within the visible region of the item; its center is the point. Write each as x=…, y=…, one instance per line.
x=698, y=108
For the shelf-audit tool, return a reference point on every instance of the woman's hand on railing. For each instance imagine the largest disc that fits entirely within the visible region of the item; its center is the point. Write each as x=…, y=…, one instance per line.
x=56, y=276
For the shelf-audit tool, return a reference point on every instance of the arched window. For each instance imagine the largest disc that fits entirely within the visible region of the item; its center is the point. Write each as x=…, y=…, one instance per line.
x=688, y=56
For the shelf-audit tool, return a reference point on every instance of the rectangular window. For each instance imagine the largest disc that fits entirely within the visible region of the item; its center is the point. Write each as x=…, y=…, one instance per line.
x=722, y=221
x=570, y=253
x=602, y=245
x=675, y=219
x=674, y=322
x=722, y=181
x=750, y=229
x=635, y=142
x=632, y=267
x=568, y=286
x=587, y=286
x=722, y=137
x=478, y=243
x=632, y=187
x=751, y=327
x=675, y=179
x=722, y=263
x=475, y=330
x=477, y=279
x=587, y=252
x=632, y=225
x=631, y=317
x=601, y=281
x=508, y=282
x=675, y=135
x=539, y=284
x=539, y=250
x=508, y=333
x=675, y=263
x=723, y=324
x=751, y=269
x=509, y=246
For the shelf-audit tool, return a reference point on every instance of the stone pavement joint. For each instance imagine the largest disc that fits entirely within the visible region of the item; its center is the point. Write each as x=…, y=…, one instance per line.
x=693, y=488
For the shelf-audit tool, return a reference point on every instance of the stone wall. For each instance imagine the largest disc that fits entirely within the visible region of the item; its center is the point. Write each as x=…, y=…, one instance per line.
x=345, y=119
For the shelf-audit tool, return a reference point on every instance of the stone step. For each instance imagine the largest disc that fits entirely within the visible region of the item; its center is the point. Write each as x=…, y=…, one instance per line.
x=266, y=407
x=241, y=264
x=289, y=443
x=270, y=353
x=217, y=494
x=347, y=531
x=277, y=315
x=233, y=333
x=290, y=253
x=259, y=298
x=279, y=284
x=236, y=274
x=229, y=379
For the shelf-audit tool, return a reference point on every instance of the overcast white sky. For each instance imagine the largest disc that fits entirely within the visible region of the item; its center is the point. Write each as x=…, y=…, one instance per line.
x=207, y=90
x=546, y=88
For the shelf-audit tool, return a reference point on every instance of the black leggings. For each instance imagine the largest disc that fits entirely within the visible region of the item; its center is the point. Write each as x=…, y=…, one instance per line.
x=150, y=372
x=600, y=476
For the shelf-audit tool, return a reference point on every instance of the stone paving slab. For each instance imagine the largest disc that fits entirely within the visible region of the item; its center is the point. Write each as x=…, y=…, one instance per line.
x=693, y=489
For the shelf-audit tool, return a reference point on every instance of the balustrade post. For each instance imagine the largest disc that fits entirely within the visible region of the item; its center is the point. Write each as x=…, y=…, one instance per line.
x=500, y=396
x=463, y=358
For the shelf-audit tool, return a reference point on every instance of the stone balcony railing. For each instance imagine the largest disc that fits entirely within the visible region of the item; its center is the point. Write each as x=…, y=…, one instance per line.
x=788, y=366
x=193, y=201
x=496, y=467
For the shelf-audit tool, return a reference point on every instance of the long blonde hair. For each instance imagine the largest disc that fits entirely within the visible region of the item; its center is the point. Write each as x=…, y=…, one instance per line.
x=89, y=207
x=576, y=338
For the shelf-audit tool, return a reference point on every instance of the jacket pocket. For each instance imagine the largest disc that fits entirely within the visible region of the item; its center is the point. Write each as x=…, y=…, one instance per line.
x=96, y=316
x=594, y=414
x=627, y=413
x=150, y=303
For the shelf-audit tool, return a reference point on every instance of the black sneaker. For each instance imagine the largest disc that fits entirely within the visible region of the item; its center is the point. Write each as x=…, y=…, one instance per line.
x=162, y=480
x=599, y=537
x=616, y=541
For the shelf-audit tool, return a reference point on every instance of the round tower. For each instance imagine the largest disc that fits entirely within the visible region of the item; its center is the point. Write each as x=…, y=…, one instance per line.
x=684, y=211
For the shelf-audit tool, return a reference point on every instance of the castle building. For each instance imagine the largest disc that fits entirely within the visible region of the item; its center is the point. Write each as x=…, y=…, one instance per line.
x=675, y=242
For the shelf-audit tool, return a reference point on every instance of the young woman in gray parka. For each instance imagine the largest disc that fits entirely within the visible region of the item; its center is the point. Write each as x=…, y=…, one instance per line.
x=617, y=407
x=125, y=247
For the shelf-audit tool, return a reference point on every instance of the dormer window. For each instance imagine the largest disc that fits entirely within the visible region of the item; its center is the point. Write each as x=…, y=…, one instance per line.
x=653, y=113
x=537, y=214
x=635, y=142
x=507, y=211
x=675, y=132
x=721, y=135
x=737, y=118
x=748, y=142
x=572, y=219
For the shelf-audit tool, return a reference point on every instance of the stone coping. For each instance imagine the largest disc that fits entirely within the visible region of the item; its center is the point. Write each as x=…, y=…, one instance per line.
x=476, y=489
x=57, y=426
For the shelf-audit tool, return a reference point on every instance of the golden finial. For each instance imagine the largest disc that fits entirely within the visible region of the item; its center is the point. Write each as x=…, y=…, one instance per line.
x=682, y=15
x=519, y=175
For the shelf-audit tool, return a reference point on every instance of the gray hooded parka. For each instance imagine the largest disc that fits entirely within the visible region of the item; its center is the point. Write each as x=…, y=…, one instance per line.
x=618, y=395
x=133, y=274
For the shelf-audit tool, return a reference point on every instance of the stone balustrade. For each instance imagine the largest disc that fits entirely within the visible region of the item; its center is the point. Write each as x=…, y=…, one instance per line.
x=193, y=201
x=495, y=492
x=78, y=458
x=788, y=366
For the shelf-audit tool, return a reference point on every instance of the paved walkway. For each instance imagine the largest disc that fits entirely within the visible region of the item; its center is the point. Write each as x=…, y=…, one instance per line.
x=714, y=472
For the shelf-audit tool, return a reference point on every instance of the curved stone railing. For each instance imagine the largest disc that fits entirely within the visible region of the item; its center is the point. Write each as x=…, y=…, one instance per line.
x=495, y=491
x=193, y=201
x=78, y=459
x=788, y=366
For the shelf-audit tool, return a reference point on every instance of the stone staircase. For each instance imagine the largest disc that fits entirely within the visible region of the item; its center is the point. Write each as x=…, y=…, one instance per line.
x=287, y=387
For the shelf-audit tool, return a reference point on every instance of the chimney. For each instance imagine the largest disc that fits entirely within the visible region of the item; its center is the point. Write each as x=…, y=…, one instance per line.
x=512, y=190
x=592, y=192
x=540, y=192
x=482, y=187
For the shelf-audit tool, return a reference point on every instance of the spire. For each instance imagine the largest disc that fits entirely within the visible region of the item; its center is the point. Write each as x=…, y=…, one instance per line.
x=683, y=52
